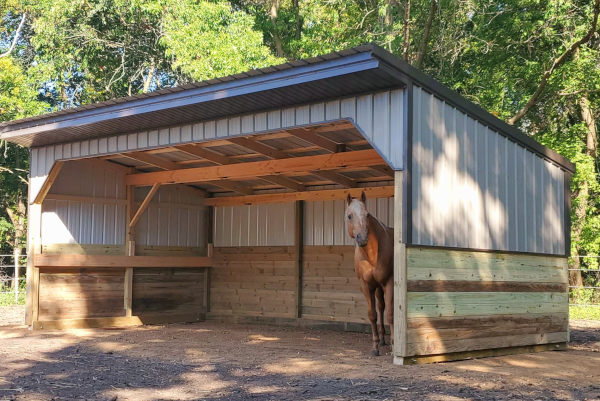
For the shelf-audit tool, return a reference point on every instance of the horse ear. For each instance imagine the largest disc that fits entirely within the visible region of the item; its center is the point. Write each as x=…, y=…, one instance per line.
x=363, y=197
x=349, y=198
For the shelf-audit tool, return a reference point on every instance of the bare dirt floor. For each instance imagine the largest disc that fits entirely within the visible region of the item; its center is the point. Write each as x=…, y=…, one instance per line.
x=217, y=361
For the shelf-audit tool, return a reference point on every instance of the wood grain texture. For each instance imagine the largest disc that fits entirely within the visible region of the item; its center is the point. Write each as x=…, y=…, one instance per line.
x=121, y=321
x=77, y=261
x=483, y=286
x=82, y=249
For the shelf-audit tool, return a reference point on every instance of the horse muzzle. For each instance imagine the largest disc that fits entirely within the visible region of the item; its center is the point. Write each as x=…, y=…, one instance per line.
x=362, y=241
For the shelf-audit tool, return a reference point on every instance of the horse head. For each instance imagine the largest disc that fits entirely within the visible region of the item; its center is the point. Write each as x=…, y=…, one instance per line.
x=357, y=223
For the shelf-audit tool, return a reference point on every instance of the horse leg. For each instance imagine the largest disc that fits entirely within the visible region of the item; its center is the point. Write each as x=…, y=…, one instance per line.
x=380, y=315
x=388, y=291
x=370, y=297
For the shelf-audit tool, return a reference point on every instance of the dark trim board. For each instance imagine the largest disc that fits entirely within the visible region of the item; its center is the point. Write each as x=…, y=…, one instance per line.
x=456, y=356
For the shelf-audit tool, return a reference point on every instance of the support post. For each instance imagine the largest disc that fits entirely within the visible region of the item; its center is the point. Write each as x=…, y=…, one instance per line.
x=16, y=275
x=209, y=252
x=298, y=249
x=130, y=251
x=33, y=273
x=400, y=278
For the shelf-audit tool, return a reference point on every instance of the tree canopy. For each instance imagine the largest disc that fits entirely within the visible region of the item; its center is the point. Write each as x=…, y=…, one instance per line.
x=533, y=64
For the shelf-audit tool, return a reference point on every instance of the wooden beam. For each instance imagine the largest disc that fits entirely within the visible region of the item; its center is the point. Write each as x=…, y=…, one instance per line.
x=152, y=160
x=331, y=194
x=52, y=175
x=86, y=199
x=143, y=206
x=298, y=249
x=225, y=160
x=258, y=147
x=315, y=139
x=257, y=169
x=337, y=178
x=400, y=306
x=108, y=261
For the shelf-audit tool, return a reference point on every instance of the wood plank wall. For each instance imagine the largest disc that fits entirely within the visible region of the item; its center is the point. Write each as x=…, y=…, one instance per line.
x=253, y=281
x=466, y=301
x=330, y=289
x=98, y=292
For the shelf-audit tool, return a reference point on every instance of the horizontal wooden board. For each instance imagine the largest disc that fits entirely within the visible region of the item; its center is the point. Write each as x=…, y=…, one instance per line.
x=77, y=261
x=483, y=286
x=121, y=321
x=149, y=250
x=473, y=344
x=440, y=304
x=82, y=249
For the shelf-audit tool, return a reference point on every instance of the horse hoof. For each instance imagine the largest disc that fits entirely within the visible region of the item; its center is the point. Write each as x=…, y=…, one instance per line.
x=382, y=343
x=374, y=352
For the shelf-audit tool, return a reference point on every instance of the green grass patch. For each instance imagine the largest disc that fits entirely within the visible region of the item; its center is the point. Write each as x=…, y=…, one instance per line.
x=9, y=299
x=584, y=312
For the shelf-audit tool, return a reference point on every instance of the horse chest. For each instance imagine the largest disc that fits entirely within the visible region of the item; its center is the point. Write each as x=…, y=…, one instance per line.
x=367, y=271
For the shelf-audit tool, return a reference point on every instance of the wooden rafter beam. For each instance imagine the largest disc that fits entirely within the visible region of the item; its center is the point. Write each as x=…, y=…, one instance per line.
x=278, y=155
x=143, y=206
x=48, y=183
x=232, y=186
x=257, y=169
x=225, y=160
x=384, y=169
x=331, y=194
x=152, y=160
x=318, y=140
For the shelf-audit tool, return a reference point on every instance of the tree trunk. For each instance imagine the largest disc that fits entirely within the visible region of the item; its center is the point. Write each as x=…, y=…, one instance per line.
x=149, y=78
x=389, y=20
x=590, y=122
x=406, y=43
x=298, y=18
x=426, y=34
x=276, y=37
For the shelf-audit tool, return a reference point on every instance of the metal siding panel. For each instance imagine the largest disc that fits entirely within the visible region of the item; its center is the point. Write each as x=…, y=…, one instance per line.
x=538, y=202
x=260, y=122
x=397, y=129
x=318, y=223
x=317, y=113
x=253, y=225
x=132, y=141
x=67, y=148
x=502, y=208
x=98, y=223
x=559, y=180
x=521, y=199
x=186, y=133
x=247, y=124
x=93, y=148
x=364, y=115
x=163, y=227
x=309, y=238
x=86, y=223
x=492, y=220
x=198, y=132
x=274, y=119
x=152, y=138
x=381, y=123
x=85, y=148
x=175, y=135
x=222, y=128
x=141, y=229
x=163, y=136
x=332, y=110
x=235, y=126
x=339, y=229
x=108, y=235
x=451, y=157
x=209, y=130
x=288, y=117
x=302, y=115
x=328, y=223
x=143, y=140
x=418, y=150
x=348, y=108
x=153, y=226
x=122, y=142
x=262, y=216
x=438, y=165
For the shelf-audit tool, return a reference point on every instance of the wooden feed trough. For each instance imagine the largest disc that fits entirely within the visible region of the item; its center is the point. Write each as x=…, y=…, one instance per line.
x=225, y=200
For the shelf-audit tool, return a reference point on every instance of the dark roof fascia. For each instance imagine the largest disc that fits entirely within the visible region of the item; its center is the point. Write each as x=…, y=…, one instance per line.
x=326, y=69
x=470, y=108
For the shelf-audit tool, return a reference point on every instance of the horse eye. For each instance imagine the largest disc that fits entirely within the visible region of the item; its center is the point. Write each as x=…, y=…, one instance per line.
x=349, y=217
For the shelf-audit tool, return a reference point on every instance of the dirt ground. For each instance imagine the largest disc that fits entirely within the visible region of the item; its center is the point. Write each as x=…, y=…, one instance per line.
x=216, y=361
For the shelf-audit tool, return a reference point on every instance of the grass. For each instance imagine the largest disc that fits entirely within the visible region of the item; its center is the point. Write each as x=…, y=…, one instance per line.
x=7, y=297
x=584, y=312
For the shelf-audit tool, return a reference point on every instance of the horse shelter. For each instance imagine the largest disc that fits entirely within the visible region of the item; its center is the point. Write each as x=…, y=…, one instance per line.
x=225, y=199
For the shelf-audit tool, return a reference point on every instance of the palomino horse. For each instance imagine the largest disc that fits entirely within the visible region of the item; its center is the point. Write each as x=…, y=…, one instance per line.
x=373, y=264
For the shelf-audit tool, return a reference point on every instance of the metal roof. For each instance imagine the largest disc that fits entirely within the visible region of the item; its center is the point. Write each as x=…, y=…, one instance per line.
x=362, y=69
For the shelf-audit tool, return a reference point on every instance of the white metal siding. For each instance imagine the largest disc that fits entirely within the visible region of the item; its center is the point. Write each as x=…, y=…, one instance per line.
x=379, y=116
x=474, y=188
x=174, y=217
x=324, y=222
x=254, y=225
x=76, y=222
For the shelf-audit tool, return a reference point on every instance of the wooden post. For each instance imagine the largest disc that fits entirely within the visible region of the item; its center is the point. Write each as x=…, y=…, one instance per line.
x=298, y=249
x=16, y=276
x=400, y=280
x=130, y=251
x=209, y=252
x=33, y=273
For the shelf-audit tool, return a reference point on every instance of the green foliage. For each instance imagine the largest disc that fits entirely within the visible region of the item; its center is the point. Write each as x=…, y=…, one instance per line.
x=584, y=312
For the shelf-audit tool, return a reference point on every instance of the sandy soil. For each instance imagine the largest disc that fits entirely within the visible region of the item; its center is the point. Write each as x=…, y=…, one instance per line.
x=222, y=362
x=12, y=315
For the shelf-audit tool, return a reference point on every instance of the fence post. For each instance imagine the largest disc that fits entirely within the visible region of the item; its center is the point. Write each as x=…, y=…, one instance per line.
x=17, y=254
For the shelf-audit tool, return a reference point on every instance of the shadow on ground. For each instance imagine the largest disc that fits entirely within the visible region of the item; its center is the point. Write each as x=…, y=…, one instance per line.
x=222, y=362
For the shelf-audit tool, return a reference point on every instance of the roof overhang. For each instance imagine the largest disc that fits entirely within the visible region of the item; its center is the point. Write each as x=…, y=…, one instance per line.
x=333, y=76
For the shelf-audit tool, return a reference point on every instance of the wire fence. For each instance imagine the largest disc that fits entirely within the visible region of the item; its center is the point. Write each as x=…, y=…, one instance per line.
x=587, y=294
x=12, y=278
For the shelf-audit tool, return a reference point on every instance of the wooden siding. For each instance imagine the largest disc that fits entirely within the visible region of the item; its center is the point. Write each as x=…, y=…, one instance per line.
x=254, y=281
x=330, y=289
x=168, y=291
x=86, y=293
x=466, y=301
x=380, y=117
x=474, y=188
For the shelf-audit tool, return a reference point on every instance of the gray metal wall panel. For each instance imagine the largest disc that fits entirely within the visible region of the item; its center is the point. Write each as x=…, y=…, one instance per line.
x=379, y=116
x=474, y=188
x=254, y=225
x=76, y=222
x=174, y=217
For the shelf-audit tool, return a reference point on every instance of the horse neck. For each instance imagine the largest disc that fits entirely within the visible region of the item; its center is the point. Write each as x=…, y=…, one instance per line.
x=376, y=233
